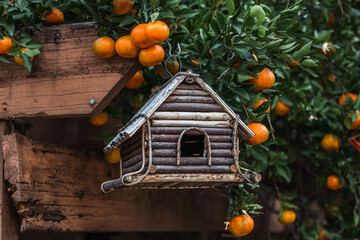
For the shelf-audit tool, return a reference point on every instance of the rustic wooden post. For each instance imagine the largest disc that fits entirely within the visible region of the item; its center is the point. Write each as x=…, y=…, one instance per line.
x=9, y=227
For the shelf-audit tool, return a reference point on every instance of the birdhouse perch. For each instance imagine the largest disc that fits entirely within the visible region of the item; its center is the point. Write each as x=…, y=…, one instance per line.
x=185, y=136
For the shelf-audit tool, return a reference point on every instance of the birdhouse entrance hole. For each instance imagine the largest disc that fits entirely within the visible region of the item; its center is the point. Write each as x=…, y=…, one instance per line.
x=192, y=145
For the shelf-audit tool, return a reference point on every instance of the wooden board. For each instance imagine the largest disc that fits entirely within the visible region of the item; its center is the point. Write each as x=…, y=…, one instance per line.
x=9, y=229
x=58, y=189
x=65, y=77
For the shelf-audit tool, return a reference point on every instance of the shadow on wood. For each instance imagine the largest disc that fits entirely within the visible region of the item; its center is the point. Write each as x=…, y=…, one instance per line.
x=65, y=77
x=58, y=189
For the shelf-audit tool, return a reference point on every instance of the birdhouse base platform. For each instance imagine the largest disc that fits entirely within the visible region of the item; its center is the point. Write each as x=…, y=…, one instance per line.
x=183, y=181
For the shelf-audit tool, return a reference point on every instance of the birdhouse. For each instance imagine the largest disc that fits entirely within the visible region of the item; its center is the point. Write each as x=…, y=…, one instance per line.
x=185, y=136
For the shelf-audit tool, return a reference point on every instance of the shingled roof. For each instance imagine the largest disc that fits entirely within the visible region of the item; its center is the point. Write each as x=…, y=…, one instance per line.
x=157, y=99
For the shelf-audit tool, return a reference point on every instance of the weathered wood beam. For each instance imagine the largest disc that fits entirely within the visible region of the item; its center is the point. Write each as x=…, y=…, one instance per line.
x=192, y=161
x=191, y=116
x=174, y=138
x=178, y=130
x=190, y=123
x=66, y=76
x=9, y=227
x=58, y=189
x=173, y=145
x=190, y=99
x=173, y=153
x=194, y=107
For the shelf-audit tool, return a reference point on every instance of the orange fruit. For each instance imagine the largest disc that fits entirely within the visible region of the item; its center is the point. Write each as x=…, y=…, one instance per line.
x=261, y=101
x=236, y=65
x=343, y=98
x=330, y=142
x=157, y=32
x=331, y=19
x=138, y=36
x=54, y=17
x=281, y=108
x=293, y=63
x=151, y=56
x=241, y=225
x=354, y=125
x=261, y=134
x=331, y=77
x=265, y=80
x=100, y=119
x=195, y=61
x=333, y=183
x=136, y=81
x=138, y=102
x=113, y=156
x=328, y=49
x=19, y=60
x=322, y=235
x=172, y=66
x=287, y=217
x=125, y=48
x=160, y=71
x=123, y=7
x=104, y=47
x=5, y=45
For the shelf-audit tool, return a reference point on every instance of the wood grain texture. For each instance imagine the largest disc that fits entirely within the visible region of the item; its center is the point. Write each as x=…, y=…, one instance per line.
x=58, y=189
x=65, y=77
x=9, y=227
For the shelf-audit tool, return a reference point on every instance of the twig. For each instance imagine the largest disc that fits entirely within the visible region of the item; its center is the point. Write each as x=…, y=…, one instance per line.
x=271, y=126
x=223, y=73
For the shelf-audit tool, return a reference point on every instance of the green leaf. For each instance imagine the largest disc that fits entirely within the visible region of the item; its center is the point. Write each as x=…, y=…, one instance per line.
x=303, y=51
x=309, y=63
x=22, y=4
x=186, y=13
x=356, y=219
x=32, y=53
x=27, y=61
x=231, y=6
x=154, y=16
x=128, y=19
x=4, y=60
x=155, y=3
x=241, y=92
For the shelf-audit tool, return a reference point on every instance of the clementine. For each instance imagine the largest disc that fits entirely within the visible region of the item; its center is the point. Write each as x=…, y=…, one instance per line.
x=138, y=37
x=195, y=61
x=54, y=17
x=100, y=119
x=281, y=108
x=330, y=142
x=354, y=125
x=123, y=7
x=172, y=66
x=104, y=47
x=287, y=217
x=261, y=134
x=125, y=48
x=136, y=81
x=113, y=156
x=236, y=65
x=322, y=235
x=258, y=103
x=331, y=77
x=157, y=32
x=293, y=63
x=5, y=45
x=344, y=97
x=241, y=225
x=265, y=80
x=333, y=183
x=19, y=60
x=151, y=56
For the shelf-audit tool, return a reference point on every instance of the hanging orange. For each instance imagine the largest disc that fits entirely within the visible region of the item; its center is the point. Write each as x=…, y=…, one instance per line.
x=104, y=47
x=344, y=97
x=54, y=17
x=173, y=67
x=330, y=142
x=287, y=217
x=125, y=48
x=281, y=108
x=136, y=81
x=100, y=119
x=331, y=77
x=265, y=80
x=5, y=45
x=151, y=56
x=19, y=60
x=123, y=7
x=138, y=37
x=237, y=64
x=354, y=125
x=261, y=134
x=258, y=103
x=241, y=225
x=113, y=156
x=333, y=182
x=322, y=235
x=293, y=63
x=157, y=32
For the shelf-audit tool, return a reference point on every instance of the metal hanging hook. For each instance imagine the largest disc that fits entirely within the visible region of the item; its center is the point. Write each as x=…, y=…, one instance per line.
x=175, y=56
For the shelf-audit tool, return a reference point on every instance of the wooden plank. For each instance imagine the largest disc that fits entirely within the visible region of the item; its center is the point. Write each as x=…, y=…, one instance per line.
x=191, y=116
x=66, y=76
x=190, y=123
x=178, y=130
x=191, y=107
x=9, y=227
x=58, y=189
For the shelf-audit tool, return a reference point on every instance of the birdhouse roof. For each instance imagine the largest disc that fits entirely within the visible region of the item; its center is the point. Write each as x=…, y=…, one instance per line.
x=159, y=97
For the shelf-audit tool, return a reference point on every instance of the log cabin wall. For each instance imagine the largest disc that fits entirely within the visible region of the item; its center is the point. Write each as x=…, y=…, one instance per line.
x=131, y=153
x=190, y=106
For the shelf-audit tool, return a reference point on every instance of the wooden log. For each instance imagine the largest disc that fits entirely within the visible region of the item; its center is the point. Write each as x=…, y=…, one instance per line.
x=175, y=137
x=178, y=130
x=67, y=75
x=135, y=139
x=190, y=99
x=210, y=116
x=58, y=189
x=9, y=222
x=186, y=92
x=173, y=153
x=132, y=161
x=192, y=169
x=134, y=168
x=173, y=145
x=191, y=107
x=190, y=123
x=132, y=154
x=189, y=86
x=127, y=149
x=192, y=161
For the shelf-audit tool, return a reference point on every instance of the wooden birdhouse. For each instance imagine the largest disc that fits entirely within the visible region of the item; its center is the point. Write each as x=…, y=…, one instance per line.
x=185, y=136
